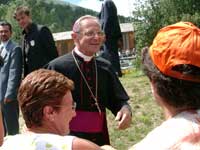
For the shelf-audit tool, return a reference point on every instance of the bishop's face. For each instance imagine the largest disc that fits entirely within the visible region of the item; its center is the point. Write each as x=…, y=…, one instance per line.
x=90, y=37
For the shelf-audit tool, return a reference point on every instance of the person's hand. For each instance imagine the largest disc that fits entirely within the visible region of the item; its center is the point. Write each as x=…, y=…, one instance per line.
x=7, y=100
x=124, y=117
x=107, y=147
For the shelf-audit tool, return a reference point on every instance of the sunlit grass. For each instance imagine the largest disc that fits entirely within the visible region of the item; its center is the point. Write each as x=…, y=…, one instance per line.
x=146, y=113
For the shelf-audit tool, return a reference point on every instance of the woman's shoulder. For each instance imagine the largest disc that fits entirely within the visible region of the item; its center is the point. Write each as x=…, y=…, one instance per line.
x=37, y=142
x=18, y=141
x=175, y=132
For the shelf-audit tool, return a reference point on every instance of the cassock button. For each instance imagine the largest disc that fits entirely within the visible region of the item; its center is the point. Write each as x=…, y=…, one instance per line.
x=87, y=70
x=89, y=78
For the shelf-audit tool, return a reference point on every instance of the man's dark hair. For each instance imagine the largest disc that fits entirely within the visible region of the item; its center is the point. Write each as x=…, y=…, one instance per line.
x=4, y=23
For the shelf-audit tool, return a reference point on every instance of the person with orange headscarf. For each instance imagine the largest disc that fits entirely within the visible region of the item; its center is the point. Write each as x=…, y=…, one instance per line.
x=173, y=68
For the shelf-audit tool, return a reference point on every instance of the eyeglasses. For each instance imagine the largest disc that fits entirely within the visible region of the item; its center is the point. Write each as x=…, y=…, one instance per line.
x=92, y=33
x=65, y=105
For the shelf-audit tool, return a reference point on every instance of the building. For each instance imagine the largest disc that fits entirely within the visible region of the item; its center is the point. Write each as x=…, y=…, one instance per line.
x=128, y=36
x=64, y=42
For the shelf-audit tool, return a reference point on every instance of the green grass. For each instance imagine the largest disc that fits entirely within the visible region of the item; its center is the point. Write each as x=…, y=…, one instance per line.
x=146, y=113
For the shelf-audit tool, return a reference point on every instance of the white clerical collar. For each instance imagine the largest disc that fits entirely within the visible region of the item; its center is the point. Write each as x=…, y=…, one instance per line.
x=85, y=58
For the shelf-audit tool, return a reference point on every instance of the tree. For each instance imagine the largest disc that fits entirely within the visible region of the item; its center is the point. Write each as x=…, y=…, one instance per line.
x=4, y=1
x=151, y=15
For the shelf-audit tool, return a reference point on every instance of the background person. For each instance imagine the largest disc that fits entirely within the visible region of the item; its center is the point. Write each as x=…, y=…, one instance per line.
x=10, y=78
x=47, y=107
x=113, y=41
x=38, y=44
x=97, y=87
x=173, y=68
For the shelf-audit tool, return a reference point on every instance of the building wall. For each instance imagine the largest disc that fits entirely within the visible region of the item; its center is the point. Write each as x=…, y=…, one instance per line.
x=128, y=41
x=64, y=46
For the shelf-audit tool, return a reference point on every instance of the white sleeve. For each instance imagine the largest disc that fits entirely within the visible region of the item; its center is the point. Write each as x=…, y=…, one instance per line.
x=69, y=140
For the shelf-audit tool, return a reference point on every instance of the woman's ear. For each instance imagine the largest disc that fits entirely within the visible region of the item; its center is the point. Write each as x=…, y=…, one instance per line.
x=48, y=113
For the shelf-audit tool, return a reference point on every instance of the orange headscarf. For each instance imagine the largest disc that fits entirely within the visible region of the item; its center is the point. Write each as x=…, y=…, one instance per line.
x=175, y=45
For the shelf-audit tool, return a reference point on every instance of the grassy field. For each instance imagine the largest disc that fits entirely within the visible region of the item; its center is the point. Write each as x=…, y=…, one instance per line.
x=146, y=113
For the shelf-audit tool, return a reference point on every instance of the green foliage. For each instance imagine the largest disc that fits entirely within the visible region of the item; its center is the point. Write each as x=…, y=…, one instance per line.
x=151, y=15
x=4, y=1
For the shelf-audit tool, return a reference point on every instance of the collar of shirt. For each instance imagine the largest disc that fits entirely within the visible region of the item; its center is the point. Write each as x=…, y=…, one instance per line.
x=4, y=44
x=29, y=28
x=85, y=58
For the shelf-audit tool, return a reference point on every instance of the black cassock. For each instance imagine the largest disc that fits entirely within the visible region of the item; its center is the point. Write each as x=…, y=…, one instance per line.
x=110, y=25
x=89, y=123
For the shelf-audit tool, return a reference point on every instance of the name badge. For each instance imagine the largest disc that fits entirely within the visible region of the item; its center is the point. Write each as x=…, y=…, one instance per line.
x=32, y=42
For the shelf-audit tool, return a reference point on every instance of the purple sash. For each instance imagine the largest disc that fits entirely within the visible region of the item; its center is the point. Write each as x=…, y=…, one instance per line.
x=86, y=121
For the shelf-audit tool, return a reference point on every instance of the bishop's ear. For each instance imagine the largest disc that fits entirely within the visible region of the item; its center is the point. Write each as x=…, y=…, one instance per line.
x=74, y=35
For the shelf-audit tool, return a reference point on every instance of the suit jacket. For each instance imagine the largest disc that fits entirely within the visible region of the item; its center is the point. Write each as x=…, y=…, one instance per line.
x=38, y=47
x=10, y=71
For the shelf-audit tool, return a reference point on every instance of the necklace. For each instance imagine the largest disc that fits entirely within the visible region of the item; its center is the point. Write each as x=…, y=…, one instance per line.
x=86, y=82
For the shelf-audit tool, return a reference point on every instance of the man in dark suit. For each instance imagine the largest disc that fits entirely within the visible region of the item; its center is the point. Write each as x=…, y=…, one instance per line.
x=10, y=77
x=38, y=44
